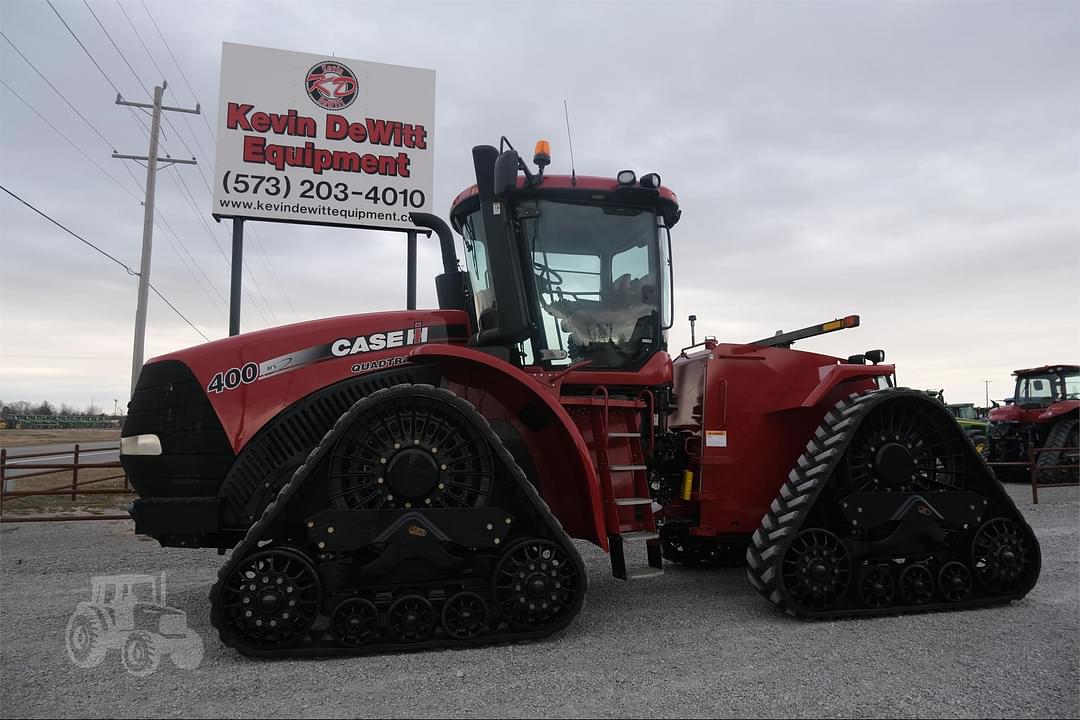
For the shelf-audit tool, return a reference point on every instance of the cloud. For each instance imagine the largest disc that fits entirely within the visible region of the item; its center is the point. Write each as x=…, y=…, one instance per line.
x=918, y=164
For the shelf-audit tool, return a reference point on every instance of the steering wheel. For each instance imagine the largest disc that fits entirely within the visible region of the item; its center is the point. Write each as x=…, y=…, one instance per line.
x=551, y=277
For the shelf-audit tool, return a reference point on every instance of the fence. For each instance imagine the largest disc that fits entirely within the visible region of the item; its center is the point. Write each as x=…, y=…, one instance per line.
x=1034, y=469
x=10, y=421
x=75, y=488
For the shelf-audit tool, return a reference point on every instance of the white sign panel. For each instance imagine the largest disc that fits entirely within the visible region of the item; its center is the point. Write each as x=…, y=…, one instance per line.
x=322, y=139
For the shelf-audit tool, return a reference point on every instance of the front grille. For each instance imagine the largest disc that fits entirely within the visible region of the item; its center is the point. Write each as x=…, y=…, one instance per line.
x=195, y=453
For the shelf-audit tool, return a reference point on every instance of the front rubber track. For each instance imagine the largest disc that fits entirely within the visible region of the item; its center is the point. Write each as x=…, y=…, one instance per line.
x=258, y=533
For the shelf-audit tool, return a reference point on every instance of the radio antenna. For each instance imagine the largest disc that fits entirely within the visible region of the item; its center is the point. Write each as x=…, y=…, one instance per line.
x=573, y=173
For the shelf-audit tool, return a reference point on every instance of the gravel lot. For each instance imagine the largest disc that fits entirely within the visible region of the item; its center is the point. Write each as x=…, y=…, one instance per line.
x=690, y=643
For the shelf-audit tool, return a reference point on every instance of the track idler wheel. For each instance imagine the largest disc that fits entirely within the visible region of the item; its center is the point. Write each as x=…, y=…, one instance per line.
x=536, y=584
x=877, y=588
x=816, y=569
x=411, y=618
x=354, y=622
x=916, y=585
x=465, y=615
x=1001, y=556
x=271, y=599
x=955, y=582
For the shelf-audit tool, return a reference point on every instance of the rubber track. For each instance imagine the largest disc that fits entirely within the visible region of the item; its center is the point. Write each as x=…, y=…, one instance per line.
x=256, y=532
x=801, y=490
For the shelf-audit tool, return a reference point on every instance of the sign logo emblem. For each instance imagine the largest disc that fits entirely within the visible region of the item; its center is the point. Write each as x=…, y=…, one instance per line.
x=331, y=85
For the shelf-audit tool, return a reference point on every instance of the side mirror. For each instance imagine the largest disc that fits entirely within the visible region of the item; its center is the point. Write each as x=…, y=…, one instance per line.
x=506, y=172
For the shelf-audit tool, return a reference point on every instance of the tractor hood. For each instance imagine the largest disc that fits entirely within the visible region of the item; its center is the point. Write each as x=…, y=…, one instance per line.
x=251, y=377
x=1014, y=413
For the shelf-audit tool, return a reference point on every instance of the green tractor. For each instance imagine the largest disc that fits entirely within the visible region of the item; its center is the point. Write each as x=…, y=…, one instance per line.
x=967, y=416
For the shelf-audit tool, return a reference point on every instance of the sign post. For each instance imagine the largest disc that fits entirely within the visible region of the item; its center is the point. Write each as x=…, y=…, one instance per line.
x=237, y=276
x=321, y=140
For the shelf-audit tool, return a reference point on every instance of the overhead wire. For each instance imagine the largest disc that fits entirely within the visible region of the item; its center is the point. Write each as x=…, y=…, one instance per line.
x=142, y=124
x=117, y=48
x=125, y=166
x=69, y=141
x=58, y=93
x=107, y=255
x=259, y=249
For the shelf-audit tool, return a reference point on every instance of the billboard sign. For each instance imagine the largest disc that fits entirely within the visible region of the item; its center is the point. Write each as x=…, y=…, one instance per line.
x=323, y=140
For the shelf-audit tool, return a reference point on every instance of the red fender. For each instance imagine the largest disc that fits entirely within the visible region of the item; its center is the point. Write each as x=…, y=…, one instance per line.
x=842, y=373
x=566, y=476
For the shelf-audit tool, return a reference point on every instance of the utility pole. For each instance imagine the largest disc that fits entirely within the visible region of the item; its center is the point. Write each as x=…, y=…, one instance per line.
x=151, y=161
x=987, y=384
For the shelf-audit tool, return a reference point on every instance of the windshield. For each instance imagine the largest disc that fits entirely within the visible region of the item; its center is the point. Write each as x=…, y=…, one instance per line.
x=1045, y=389
x=599, y=280
x=965, y=412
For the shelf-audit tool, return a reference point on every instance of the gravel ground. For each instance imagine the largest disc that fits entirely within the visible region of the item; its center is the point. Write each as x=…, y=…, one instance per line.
x=692, y=643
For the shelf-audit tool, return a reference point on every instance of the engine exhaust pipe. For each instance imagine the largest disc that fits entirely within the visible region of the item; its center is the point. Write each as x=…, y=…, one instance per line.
x=446, y=239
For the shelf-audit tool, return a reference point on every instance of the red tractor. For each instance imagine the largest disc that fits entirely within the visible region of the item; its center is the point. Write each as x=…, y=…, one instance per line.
x=413, y=479
x=1044, y=412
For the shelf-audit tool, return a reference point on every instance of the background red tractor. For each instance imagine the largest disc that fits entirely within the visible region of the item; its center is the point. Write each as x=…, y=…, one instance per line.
x=1044, y=411
x=413, y=479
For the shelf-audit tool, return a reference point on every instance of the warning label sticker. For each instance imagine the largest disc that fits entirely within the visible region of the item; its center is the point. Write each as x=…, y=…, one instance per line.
x=716, y=438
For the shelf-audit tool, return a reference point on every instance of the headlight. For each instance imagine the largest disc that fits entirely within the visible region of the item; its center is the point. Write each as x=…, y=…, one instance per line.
x=140, y=445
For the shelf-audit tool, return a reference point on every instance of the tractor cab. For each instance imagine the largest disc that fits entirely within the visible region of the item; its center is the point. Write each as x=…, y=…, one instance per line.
x=567, y=270
x=1044, y=386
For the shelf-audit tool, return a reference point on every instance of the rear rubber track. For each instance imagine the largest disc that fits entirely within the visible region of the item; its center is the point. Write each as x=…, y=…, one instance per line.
x=813, y=471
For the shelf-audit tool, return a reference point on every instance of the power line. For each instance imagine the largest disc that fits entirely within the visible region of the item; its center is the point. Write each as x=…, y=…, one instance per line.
x=138, y=35
x=166, y=44
x=110, y=257
x=80, y=238
x=193, y=260
x=72, y=143
x=58, y=93
x=117, y=47
x=105, y=75
x=261, y=247
x=206, y=182
x=177, y=64
x=194, y=206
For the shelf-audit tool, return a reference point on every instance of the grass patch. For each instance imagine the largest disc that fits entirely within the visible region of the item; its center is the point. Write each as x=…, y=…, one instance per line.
x=23, y=438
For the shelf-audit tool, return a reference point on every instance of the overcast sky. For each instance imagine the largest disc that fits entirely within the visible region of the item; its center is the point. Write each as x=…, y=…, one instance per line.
x=915, y=163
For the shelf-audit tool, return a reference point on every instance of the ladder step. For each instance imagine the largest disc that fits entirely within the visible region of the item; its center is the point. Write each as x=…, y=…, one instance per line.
x=624, y=434
x=640, y=535
x=644, y=572
x=623, y=502
x=626, y=468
